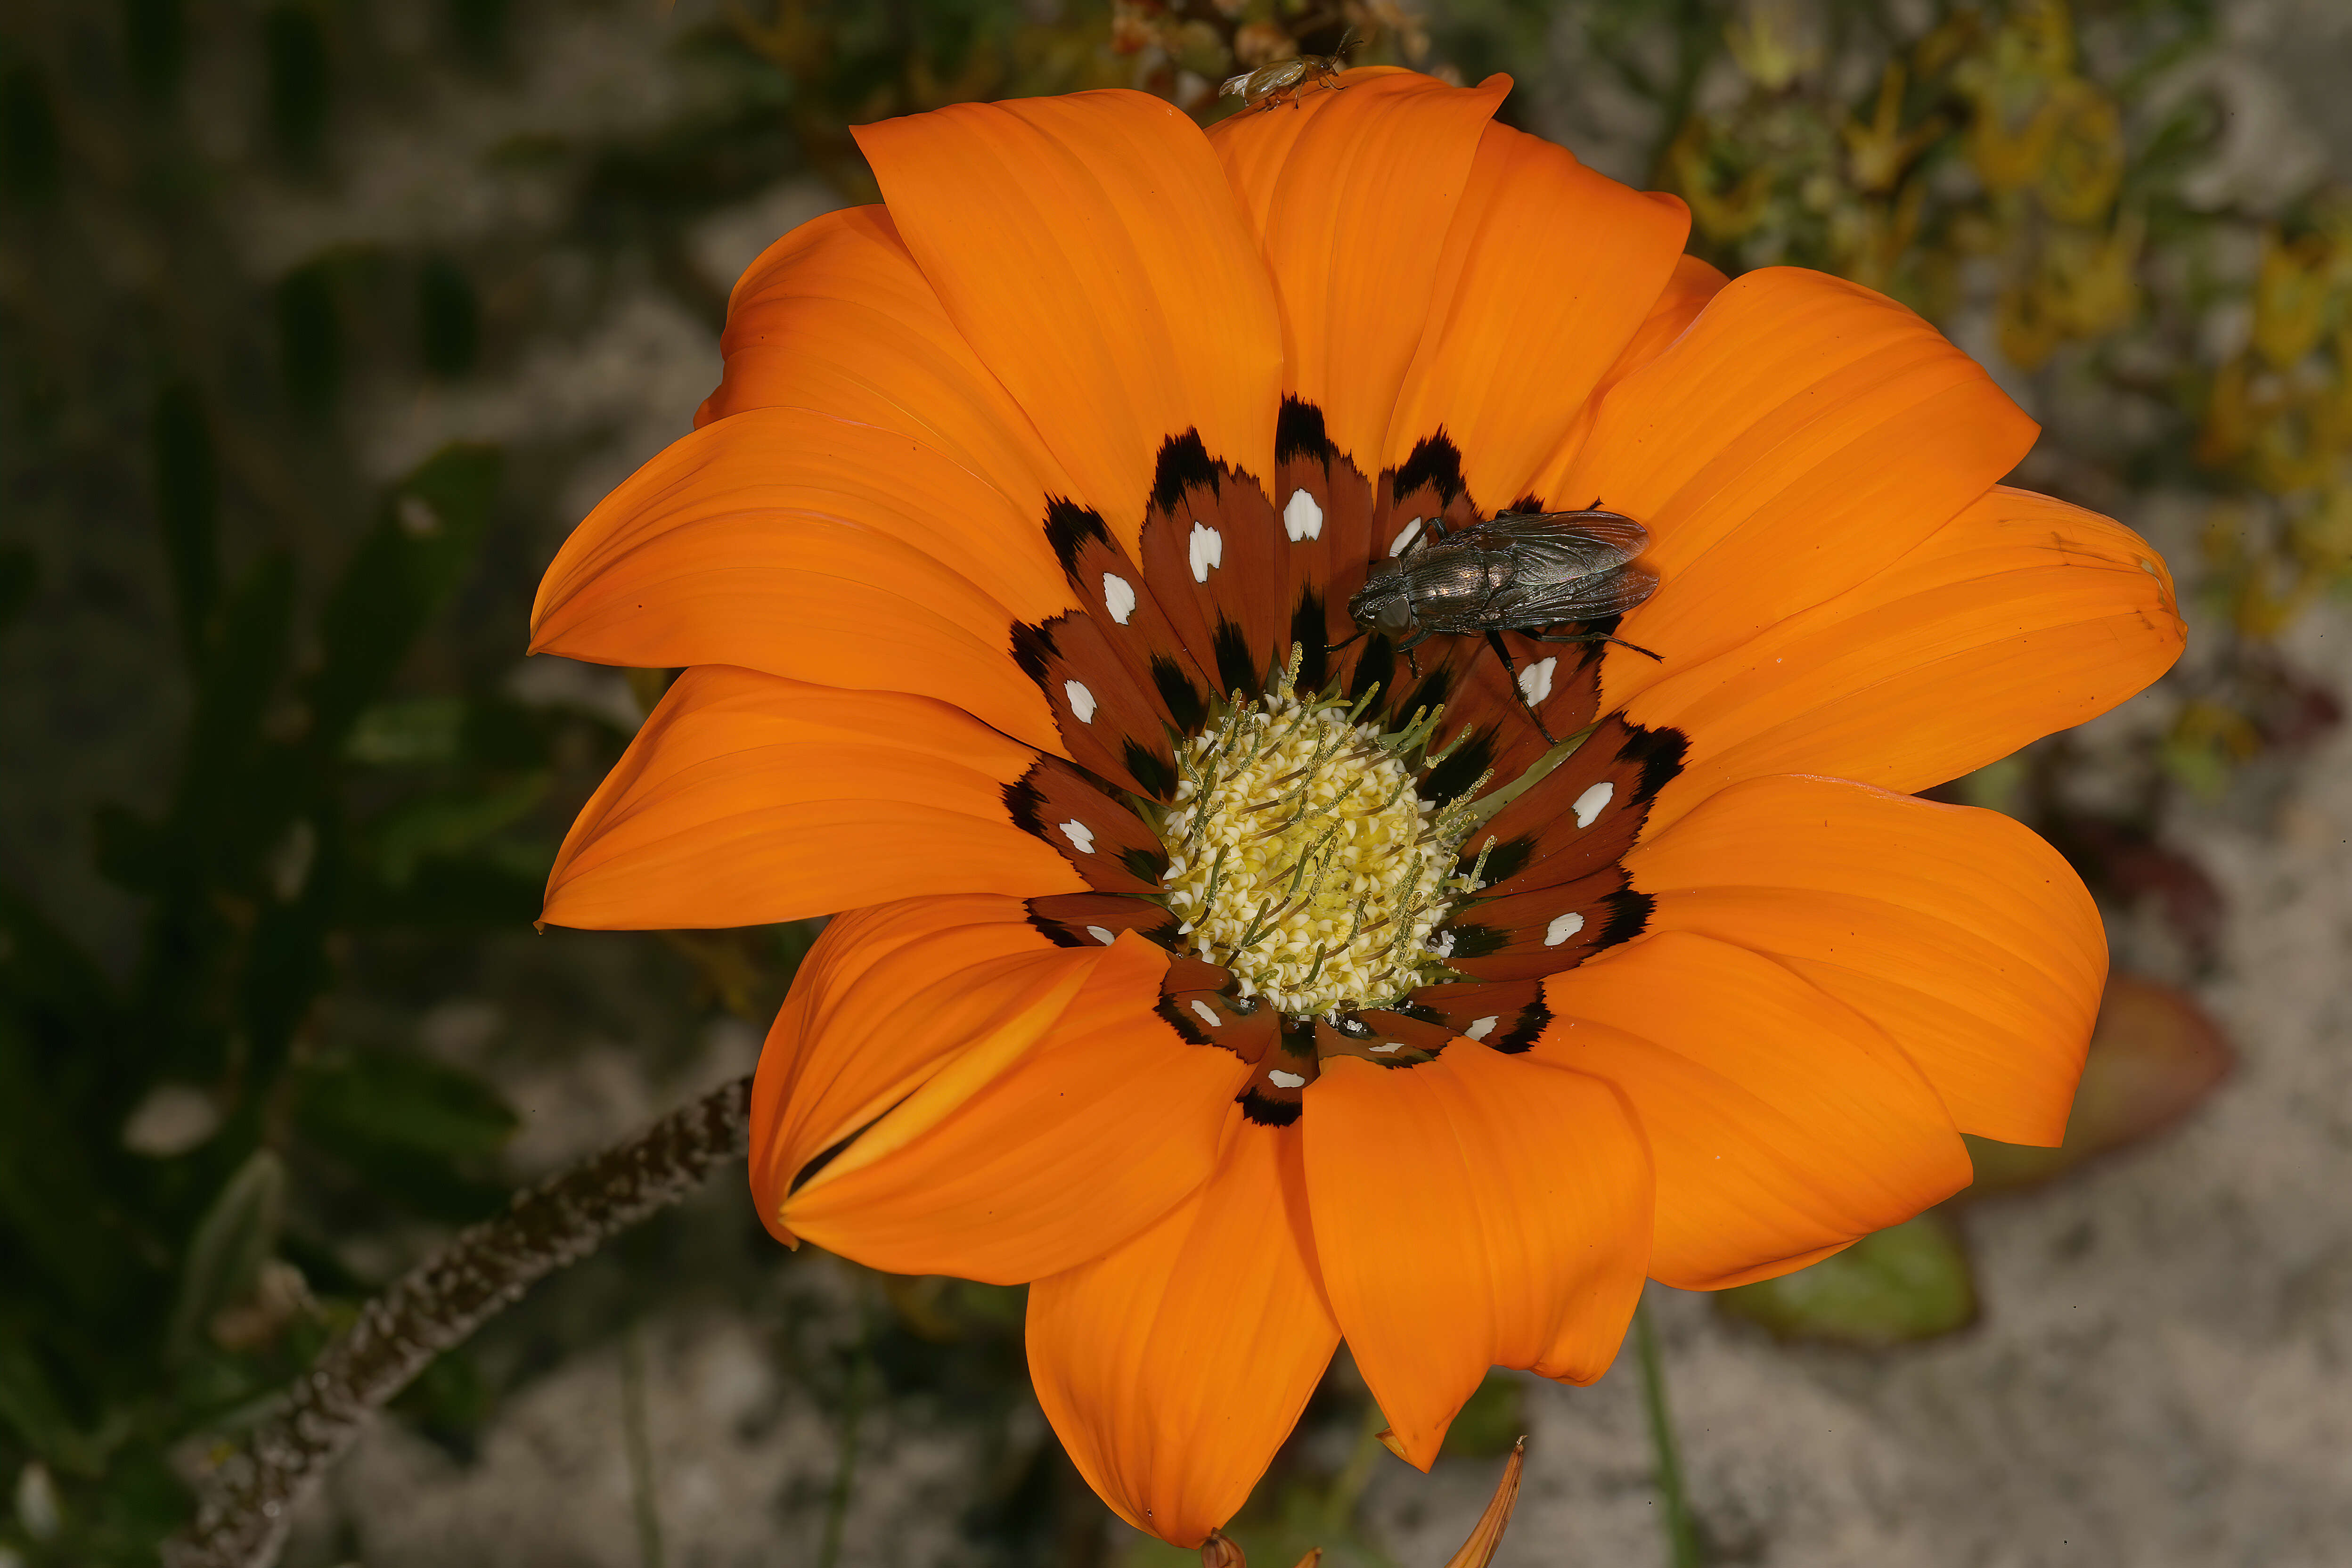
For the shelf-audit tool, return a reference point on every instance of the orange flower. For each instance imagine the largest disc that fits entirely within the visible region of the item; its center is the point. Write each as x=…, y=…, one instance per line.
x=1007, y=561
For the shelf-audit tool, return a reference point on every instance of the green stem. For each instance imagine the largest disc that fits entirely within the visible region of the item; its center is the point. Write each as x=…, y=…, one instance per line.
x=844, y=1474
x=1347, y=1486
x=1681, y=1536
x=643, y=1501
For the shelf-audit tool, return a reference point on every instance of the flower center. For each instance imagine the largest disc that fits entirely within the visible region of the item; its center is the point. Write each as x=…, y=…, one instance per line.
x=1303, y=859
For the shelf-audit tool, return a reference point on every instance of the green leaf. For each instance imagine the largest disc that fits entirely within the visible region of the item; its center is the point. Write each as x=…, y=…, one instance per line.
x=1910, y=1282
x=399, y=1099
x=402, y=573
x=421, y=730
x=444, y=825
x=236, y=1236
x=187, y=506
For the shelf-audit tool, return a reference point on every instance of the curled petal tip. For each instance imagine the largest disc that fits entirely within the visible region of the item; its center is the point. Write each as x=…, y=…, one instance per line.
x=1487, y=1534
x=1219, y=1551
x=1314, y=1555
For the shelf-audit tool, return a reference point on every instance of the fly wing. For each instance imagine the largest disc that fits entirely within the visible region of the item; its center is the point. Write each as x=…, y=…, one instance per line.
x=1532, y=601
x=1235, y=86
x=1562, y=545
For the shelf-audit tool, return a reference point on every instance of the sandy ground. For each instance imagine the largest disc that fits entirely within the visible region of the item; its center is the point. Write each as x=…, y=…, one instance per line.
x=2162, y=1379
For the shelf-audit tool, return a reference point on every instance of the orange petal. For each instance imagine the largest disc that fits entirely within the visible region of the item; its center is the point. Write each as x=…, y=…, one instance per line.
x=1960, y=934
x=1174, y=1366
x=748, y=798
x=1688, y=289
x=1088, y=248
x=948, y=1092
x=807, y=546
x=1801, y=434
x=1782, y=1122
x=2020, y=617
x=1472, y=1210
x=1348, y=193
x=1546, y=272
x=836, y=317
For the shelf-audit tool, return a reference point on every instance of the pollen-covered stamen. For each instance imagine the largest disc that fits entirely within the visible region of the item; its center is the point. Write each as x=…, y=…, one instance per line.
x=1303, y=858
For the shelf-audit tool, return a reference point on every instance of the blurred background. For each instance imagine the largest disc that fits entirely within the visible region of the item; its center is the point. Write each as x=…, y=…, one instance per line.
x=324, y=319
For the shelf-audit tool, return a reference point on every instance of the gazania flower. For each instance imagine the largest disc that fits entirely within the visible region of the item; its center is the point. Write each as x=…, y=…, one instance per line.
x=1239, y=990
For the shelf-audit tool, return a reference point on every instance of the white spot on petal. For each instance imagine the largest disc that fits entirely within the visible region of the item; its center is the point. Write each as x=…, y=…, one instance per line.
x=1079, y=834
x=1410, y=532
x=1102, y=934
x=1588, y=804
x=1385, y=1046
x=1208, y=547
x=1119, y=595
x=1561, y=929
x=1534, y=682
x=1302, y=519
x=1481, y=1028
x=1082, y=701
x=1287, y=1079
x=1208, y=1013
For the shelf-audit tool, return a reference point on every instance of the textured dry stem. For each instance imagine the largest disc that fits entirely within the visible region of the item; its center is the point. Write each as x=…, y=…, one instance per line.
x=249, y=1500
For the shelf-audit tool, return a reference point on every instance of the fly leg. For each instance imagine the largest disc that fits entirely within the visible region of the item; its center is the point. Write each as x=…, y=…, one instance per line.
x=1494, y=641
x=1593, y=638
x=1406, y=649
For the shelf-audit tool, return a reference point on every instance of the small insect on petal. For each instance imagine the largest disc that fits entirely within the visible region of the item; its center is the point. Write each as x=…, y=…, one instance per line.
x=1589, y=803
x=1118, y=597
x=1081, y=836
x=1302, y=518
x=1208, y=549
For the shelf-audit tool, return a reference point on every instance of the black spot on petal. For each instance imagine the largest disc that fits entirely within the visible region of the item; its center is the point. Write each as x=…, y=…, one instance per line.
x=1460, y=771
x=1154, y=773
x=1299, y=432
x=1237, y=669
x=1031, y=646
x=1475, y=941
x=1186, y=706
x=1435, y=462
x=1068, y=526
x=1307, y=630
x=1183, y=463
x=1505, y=860
x=1267, y=1112
x=1659, y=752
x=1629, y=914
x=1021, y=799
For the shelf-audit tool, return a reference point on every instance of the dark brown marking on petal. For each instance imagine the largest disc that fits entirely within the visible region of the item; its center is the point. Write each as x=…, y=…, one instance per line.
x=1551, y=846
x=1516, y=1008
x=1079, y=919
x=1383, y=1037
x=1187, y=705
x=1211, y=1016
x=1095, y=832
x=1114, y=593
x=1307, y=632
x=1213, y=553
x=1110, y=723
x=1525, y=936
x=1328, y=535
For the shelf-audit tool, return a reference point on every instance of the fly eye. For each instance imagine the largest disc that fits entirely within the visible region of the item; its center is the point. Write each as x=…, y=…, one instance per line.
x=1396, y=616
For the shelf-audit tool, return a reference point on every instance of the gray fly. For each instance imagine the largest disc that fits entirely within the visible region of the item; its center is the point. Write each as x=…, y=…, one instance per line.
x=1516, y=571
